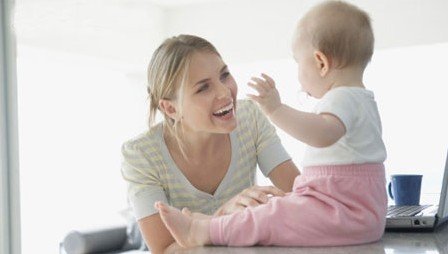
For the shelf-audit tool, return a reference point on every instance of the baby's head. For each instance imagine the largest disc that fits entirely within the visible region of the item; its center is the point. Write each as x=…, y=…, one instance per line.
x=331, y=37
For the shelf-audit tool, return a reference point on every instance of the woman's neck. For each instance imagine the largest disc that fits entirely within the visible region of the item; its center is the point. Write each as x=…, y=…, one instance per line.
x=197, y=145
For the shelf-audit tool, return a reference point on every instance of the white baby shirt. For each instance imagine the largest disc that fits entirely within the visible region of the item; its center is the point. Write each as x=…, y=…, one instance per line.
x=362, y=142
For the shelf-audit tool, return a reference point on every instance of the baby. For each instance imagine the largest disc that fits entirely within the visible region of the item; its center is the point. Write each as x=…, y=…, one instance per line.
x=340, y=197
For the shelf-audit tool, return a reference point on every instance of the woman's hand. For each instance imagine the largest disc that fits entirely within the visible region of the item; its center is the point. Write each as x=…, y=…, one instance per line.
x=250, y=197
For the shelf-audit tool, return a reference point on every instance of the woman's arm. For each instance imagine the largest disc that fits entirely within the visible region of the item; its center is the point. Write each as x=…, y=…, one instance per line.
x=250, y=197
x=283, y=175
x=156, y=235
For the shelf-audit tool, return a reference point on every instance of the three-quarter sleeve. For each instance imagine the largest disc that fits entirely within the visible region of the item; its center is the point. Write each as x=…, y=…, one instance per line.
x=270, y=151
x=144, y=185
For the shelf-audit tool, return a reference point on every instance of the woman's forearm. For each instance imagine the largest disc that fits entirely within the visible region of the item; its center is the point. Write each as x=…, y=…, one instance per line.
x=283, y=175
x=172, y=248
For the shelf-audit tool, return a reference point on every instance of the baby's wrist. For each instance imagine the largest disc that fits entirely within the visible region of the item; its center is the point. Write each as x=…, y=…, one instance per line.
x=274, y=110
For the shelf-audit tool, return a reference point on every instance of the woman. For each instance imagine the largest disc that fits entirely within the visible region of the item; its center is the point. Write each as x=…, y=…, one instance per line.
x=203, y=156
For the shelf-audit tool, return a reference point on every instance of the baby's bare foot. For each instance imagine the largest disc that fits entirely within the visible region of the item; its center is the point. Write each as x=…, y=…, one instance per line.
x=186, y=230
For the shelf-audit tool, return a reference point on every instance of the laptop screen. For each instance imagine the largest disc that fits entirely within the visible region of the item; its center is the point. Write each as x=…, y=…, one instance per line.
x=443, y=203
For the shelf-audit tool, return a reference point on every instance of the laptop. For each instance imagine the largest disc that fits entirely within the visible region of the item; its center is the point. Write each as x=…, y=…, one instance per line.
x=422, y=217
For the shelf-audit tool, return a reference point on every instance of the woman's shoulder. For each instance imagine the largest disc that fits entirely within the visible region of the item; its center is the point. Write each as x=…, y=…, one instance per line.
x=245, y=105
x=146, y=142
x=249, y=118
x=245, y=110
x=142, y=155
x=248, y=113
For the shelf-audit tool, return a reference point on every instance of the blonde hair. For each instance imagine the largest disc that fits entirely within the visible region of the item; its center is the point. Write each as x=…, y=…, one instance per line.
x=341, y=31
x=168, y=74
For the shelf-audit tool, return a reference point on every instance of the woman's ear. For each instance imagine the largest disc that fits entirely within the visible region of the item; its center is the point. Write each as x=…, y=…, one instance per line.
x=169, y=108
x=322, y=63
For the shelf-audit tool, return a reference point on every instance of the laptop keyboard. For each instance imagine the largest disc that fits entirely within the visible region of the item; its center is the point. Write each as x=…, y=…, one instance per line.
x=403, y=211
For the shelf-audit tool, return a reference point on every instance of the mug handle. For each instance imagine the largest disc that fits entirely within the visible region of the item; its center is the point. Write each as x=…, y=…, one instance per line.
x=389, y=188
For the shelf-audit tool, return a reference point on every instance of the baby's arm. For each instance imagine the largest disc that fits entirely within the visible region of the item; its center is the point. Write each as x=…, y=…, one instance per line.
x=318, y=130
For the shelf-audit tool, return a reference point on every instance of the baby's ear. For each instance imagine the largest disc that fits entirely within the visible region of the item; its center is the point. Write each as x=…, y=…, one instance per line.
x=169, y=108
x=322, y=62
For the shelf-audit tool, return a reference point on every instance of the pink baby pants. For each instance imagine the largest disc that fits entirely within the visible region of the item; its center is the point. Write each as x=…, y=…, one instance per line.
x=328, y=206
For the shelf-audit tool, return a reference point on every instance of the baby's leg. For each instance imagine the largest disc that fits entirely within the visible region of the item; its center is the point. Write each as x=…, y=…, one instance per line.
x=188, y=231
x=344, y=206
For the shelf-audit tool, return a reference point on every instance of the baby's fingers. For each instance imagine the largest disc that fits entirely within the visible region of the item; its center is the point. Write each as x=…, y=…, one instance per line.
x=269, y=80
x=253, y=97
x=262, y=83
x=261, y=91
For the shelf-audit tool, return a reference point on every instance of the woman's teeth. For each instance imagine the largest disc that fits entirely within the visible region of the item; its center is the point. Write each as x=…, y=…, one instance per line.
x=224, y=110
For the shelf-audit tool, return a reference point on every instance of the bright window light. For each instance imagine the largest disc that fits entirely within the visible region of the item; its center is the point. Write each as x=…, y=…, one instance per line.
x=74, y=113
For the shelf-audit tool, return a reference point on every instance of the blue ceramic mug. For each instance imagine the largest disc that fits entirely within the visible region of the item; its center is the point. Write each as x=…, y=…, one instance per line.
x=405, y=189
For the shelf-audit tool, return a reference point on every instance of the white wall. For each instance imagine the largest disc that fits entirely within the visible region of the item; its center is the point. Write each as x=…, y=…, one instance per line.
x=246, y=31
x=243, y=30
x=124, y=30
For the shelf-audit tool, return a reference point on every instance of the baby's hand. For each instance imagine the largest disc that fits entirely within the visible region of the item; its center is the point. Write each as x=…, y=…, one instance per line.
x=268, y=97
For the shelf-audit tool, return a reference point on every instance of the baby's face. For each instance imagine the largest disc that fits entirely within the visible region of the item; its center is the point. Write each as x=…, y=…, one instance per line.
x=308, y=71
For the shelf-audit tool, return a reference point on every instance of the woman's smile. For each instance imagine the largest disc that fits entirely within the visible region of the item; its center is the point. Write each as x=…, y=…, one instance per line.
x=224, y=110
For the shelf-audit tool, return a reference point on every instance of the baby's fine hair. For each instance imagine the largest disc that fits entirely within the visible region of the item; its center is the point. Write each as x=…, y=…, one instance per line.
x=168, y=74
x=341, y=31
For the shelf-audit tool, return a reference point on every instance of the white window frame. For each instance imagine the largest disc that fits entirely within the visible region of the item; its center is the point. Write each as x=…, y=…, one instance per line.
x=9, y=159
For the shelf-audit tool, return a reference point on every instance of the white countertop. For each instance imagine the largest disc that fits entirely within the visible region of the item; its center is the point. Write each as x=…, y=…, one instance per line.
x=392, y=242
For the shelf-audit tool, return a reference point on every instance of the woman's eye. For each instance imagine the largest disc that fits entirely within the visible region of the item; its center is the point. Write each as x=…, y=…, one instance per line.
x=202, y=88
x=225, y=75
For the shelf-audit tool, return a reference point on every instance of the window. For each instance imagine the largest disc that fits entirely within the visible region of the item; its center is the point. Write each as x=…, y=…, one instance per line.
x=9, y=169
x=79, y=99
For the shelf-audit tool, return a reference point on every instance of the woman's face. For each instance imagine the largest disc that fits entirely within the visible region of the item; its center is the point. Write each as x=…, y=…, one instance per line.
x=209, y=99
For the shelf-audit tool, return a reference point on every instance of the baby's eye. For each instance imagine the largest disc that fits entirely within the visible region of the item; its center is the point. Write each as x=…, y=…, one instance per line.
x=202, y=88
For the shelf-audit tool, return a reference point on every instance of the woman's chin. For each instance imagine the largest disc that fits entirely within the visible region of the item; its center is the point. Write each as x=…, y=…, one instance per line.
x=226, y=123
x=226, y=129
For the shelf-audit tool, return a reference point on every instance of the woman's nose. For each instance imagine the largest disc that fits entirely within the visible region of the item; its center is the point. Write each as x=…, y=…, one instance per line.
x=222, y=91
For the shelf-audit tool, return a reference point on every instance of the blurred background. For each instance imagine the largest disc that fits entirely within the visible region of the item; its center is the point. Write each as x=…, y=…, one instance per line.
x=81, y=71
